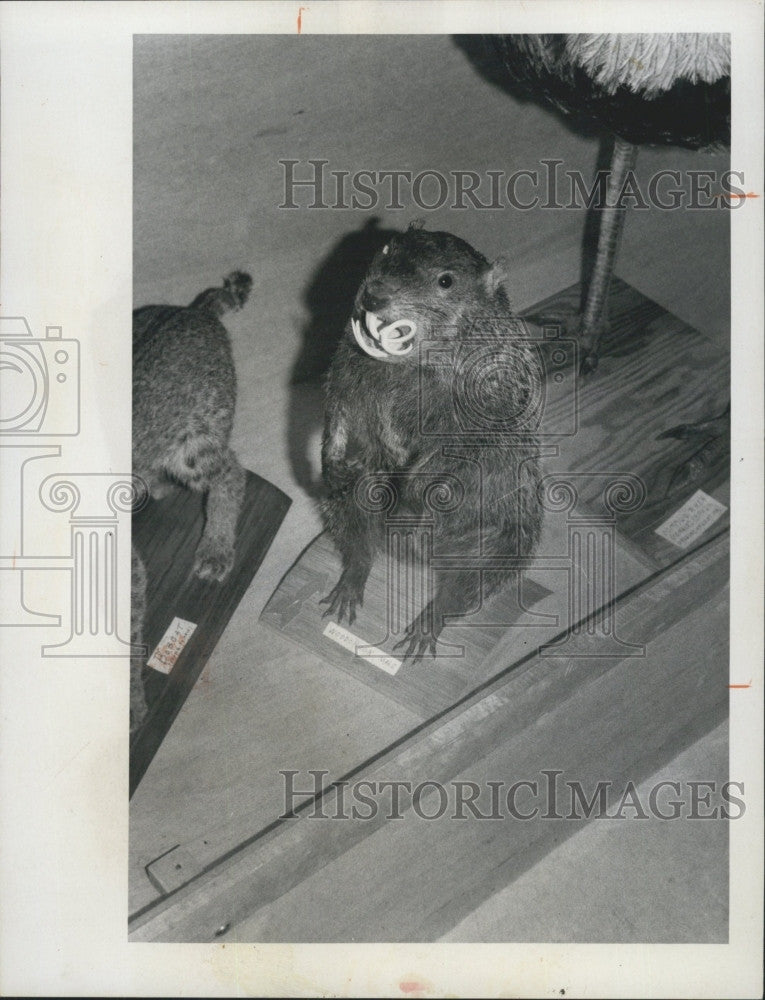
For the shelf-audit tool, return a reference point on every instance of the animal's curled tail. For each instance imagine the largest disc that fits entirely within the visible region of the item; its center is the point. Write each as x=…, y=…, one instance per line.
x=231, y=296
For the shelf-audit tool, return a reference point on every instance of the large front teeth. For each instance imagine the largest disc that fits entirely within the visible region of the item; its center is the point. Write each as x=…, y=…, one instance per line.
x=394, y=339
x=364, y=342
x=373, y=324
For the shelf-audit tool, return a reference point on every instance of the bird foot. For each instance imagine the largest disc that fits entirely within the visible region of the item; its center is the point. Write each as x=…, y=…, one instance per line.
x=572, y=325
x=590, y=336
x=589, y=363
x=713, y=427
x=712, y=437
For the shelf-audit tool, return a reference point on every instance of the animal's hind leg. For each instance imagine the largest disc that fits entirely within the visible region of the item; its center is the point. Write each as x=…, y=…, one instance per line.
x=455, y=594
x=159, y=485
x=204, y=465
x=216, y=549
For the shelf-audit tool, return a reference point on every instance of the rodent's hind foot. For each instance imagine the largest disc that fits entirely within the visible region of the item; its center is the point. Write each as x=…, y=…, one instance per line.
x=418, y=640
x=343, y=599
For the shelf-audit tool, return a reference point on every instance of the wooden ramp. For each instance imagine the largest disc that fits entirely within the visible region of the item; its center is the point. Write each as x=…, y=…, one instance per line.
x=166, y=534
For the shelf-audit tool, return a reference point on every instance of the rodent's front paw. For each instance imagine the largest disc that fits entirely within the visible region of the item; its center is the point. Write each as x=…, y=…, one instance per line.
x=342, y=599
x=213, y=560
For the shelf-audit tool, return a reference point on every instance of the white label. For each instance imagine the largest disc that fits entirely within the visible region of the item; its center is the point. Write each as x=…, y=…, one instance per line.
x=691, y=520
x=351, y=642
x=171, y=645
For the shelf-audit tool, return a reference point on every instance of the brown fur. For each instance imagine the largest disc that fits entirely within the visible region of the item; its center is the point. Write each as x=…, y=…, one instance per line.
x=184, y=395
x=382, y=414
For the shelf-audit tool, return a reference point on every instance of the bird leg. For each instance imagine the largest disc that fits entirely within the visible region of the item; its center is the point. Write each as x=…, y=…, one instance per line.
x=711, y=428
x=611, y=225
x=711, y=437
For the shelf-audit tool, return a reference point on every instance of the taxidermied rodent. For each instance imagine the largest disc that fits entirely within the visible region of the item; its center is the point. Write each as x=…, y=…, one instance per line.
x=184, y=396
x=455, y=415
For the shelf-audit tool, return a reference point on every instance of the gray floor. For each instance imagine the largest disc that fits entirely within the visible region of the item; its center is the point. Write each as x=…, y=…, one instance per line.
x=213, y=118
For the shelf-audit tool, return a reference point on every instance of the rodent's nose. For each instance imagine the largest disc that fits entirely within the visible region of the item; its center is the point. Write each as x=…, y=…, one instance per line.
x=374, y=297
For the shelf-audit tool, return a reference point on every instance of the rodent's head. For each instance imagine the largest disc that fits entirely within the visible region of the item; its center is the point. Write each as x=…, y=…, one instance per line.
x=426, y=286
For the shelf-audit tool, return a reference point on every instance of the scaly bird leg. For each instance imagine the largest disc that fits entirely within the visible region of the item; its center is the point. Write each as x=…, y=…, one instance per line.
x=611, y=224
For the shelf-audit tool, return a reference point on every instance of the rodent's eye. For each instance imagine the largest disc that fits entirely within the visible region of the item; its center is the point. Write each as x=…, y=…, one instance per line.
x=445, y=280
x=385, y=249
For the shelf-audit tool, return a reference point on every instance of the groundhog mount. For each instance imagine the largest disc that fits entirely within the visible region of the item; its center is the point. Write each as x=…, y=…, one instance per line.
x=432, y=404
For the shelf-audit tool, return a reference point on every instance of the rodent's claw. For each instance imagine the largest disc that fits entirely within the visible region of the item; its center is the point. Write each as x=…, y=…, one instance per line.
x=416, y=643
x=340, y=602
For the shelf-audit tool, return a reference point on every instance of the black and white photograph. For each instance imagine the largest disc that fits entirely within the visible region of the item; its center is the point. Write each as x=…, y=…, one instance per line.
x=414, y=539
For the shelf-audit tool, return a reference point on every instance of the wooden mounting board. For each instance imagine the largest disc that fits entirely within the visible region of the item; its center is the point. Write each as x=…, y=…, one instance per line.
x=656, y=372
x=166, y=534
x=531, y=613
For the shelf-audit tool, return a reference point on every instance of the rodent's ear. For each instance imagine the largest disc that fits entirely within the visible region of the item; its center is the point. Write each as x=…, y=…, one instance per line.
x=498, y=277
x=415, y=224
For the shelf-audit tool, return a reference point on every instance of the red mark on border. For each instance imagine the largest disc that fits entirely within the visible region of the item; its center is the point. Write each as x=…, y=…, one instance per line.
x=740, y=685
x=300, y=18
x=412, y=987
